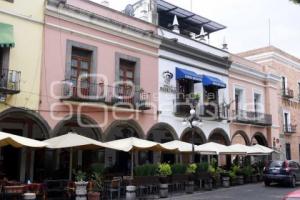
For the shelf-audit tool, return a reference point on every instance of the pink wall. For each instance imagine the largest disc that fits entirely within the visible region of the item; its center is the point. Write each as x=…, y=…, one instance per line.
x=249, y=86
x=55, y=64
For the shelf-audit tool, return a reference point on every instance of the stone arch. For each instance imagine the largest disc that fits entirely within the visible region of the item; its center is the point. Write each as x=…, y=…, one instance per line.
x=219, y=135
x=162, y=125
x=79, y=118
x=132, y=124
x=198, y=132
x=243, y=135
x=32, y=115
x=260, y=139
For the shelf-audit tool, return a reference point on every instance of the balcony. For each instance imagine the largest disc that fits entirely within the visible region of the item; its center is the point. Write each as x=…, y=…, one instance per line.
x=10, y=81
x=289, y=128
x=214, y=112
x=252, y=117
x=112, y=96
x=287, y=93
x=183, y=106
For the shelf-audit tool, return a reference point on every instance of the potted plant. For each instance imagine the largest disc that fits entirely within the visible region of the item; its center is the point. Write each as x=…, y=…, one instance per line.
x=202, y=173
x=96, y=186
x=164, y=170
x=225, y=179
x=195, y=97
x=247, y=171
x=80, y=183
x=214, y=172
x=190, y=170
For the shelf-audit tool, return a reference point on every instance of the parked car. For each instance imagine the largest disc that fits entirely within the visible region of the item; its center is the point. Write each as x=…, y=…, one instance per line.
x=292, y=195
x=287, y=171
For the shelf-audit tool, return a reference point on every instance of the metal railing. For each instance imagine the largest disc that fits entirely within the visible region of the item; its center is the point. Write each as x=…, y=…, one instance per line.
x=252, y=117
x=9, y=81
x=290, y=128
x=214, y=112
x=120, y=96
x=288, y=93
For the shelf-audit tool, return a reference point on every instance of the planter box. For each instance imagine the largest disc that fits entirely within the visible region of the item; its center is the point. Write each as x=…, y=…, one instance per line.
x=226, y=181
x=164, y=190
x=94, y=196
x=81, y=190
x=189, y=188
x=208, y=184
x=240, y=180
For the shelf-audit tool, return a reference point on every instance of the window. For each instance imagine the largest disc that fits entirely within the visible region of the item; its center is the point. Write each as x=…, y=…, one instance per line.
x=299, y=90
x=238, y=97
x=288, y=151
x=80, y=66
x=257, y=103
x=284, y=84
x=127, y=76
x=286, y=120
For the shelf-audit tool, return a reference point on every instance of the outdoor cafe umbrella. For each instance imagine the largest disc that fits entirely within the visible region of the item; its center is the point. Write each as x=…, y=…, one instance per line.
x=133, y=144
x=261, y=150
x=182, y=146
x=19, y=141
x=71, y=141
x=211, y=148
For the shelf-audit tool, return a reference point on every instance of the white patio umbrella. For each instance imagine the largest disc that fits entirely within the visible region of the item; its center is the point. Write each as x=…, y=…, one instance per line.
x=19, y=141
x=211, y=148
x=235, y=150
x=182, y=146
x=261, y=150
x=243, y=149
x=71, y=141
x=133, y=144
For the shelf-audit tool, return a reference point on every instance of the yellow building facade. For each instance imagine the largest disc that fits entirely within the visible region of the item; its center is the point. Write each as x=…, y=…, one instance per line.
x=21, y=59
x=25, y=56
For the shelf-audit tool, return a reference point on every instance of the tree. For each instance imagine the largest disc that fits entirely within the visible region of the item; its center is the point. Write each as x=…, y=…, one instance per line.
x=296, y=1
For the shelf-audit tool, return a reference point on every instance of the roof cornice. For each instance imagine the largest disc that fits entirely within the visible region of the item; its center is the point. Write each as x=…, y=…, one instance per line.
x=59, y=9
x=194, y=53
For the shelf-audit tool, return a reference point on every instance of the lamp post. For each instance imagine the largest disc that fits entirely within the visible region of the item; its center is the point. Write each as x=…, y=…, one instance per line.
x=192, y=121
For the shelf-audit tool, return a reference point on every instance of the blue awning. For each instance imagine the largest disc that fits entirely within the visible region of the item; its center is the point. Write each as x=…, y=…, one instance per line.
x=187, y=74
x=210, y=81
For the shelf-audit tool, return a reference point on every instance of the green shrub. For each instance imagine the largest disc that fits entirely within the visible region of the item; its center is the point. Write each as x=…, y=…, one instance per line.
x=178, y=169
x=164, y=169
x=248, y=171
x=97, y=168
x=202, y=167
x=79, y=175
x=191, y=168
x=146, y=170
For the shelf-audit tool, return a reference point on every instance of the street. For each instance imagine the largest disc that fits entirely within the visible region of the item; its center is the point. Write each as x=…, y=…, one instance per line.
x=245, y=192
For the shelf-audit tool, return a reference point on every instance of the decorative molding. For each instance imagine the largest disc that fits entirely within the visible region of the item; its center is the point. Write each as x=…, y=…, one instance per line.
x=107, y=41
x=110, y=26
x=251, y=73
x=270, y=56
x=20, y=16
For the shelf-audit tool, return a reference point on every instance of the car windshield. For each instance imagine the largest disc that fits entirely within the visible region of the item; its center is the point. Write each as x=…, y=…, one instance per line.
x=276, y=163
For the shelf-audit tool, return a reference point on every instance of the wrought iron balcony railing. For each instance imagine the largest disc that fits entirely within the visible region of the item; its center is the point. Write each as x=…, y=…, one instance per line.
x=288, y=93
x=119, y=96
x=9, y=81
x=289, y=128
x=214, y=112
x=252, y=117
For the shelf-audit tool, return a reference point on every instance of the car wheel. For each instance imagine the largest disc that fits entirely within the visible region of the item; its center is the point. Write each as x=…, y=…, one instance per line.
x=293, y=182
x=267, y=183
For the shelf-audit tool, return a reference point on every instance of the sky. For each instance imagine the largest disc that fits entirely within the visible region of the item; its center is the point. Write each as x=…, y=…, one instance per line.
x=247, y=22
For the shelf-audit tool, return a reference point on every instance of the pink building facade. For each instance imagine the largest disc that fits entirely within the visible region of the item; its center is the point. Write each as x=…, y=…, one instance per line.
x=287, y=68
x=254, y=116
x=99, y=77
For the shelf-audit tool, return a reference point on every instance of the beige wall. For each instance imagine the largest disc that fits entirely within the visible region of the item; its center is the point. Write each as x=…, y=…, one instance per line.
x=281, y=63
